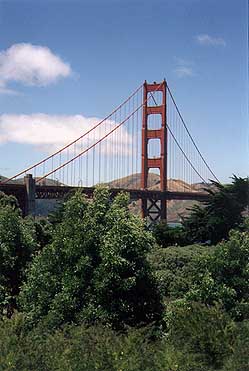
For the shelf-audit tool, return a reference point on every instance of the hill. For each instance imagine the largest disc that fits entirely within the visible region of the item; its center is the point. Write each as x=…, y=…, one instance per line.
x=133, y=182
x=48, y=182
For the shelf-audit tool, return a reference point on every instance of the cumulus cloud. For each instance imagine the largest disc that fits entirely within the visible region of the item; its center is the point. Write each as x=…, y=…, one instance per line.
x=31, y=65
x=183, y=68
x=51, y=132
x=205, y=39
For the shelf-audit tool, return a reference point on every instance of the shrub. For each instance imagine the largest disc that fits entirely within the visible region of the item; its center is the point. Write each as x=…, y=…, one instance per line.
x=78, y=348
x=224, y=276
x=206, y=333
x=175, y=267
x=168, y=236
x=198, y=338
x=239, y=358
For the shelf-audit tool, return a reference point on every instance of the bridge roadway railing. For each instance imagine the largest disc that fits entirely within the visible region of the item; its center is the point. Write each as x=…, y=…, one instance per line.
x=135, y=194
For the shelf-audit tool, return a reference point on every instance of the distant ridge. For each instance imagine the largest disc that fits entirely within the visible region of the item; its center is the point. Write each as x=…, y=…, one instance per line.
x=48, y=181
x=133, y=182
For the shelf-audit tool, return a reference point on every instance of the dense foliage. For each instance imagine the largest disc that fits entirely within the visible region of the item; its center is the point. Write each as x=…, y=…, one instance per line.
x=166, y=235
x=97, y=292
x=198, y=338
x=17, y=245
x=6, y=200
x=176, y=267
x=221, y=213
x=95, y=267
x=207, y=274
x=224, y=276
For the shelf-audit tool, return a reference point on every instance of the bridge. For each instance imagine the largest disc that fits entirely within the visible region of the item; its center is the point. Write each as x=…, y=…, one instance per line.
x=143, y=138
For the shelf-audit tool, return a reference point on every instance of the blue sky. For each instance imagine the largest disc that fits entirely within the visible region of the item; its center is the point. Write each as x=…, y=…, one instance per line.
x=104, y=49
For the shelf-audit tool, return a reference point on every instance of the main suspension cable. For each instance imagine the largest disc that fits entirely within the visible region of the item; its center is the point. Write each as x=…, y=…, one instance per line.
x=74, y=141
x=100, y=140
x=192, y=139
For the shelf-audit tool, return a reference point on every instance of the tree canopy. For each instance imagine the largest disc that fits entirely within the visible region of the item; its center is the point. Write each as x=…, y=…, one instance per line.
x=223, y=276
x=220, y=214
x=95, y=267
x=17, y=245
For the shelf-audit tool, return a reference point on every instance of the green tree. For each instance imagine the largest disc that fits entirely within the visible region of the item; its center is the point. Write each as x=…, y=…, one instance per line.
x=220, y=214
x=123, y=284
x=224, y=275
x=43, y=232
x=17, y=245
x=95, y=267
x=168, y=236
x=6, y=200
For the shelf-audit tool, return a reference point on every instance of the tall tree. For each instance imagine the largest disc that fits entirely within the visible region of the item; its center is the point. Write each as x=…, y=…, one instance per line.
x=220, y=214
x=17, y=245
x=95, y=267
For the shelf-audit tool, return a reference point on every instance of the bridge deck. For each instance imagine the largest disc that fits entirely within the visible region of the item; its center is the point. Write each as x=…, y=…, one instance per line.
x=59, y=192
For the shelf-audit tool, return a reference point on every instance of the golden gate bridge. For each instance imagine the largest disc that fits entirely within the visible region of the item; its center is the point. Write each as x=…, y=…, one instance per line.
x=144, y=135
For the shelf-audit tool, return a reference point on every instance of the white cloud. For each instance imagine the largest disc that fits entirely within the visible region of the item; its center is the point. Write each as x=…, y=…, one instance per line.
x=205, y=39
x=32, y=65
x=184, y=68
x=183, y=71
x=51, y=132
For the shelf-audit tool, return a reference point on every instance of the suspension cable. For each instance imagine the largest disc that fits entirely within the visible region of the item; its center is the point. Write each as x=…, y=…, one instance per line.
x=173, y=100
x=100, y=140
x=73, y=142
x=179, y=146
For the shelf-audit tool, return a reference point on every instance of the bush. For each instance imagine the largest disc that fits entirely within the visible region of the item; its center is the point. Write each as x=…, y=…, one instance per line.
x=224, y=276
x=239, y=357
x=43, y=232
x=78, y=348
x=175, y=267
x=205, y=333
x=168, y=236
x=198, y=338
x=10, y=201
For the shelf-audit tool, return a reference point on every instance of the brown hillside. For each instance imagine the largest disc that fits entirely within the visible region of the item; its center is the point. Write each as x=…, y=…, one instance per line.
x=48, y=181
x=133, y=182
